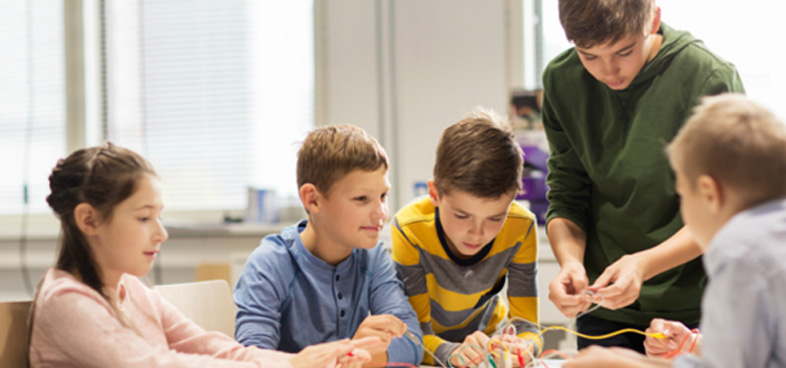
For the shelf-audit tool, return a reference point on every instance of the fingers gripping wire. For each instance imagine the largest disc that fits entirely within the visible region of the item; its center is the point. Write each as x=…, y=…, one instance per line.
x=498, y=352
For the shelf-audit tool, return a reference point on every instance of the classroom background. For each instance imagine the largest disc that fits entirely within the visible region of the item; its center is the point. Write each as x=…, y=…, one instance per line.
x=217, y=94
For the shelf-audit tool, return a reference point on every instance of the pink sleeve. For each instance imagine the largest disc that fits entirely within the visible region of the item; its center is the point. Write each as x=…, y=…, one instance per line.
x=186, y=336
x=80, y=330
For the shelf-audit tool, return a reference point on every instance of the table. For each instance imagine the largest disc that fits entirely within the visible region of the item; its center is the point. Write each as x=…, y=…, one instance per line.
x=552, y=363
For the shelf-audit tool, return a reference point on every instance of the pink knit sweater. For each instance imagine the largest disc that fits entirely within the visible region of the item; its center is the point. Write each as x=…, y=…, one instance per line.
x=74, y=326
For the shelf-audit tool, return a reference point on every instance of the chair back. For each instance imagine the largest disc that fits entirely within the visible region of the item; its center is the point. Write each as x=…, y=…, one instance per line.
x=208, y=303
x=14, y=333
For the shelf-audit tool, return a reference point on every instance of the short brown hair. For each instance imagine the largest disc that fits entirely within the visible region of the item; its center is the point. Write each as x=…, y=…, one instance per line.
x=479, y=155
x=737, y=142
x=329, y=153
x=591, y=22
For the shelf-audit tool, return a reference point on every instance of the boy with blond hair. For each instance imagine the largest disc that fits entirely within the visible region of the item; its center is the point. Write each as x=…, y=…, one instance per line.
x=455, y=249
x=613, y=222
x=328, y=277
x=730, y=166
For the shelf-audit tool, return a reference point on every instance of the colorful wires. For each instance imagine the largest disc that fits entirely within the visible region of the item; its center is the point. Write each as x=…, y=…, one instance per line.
x=498, y=353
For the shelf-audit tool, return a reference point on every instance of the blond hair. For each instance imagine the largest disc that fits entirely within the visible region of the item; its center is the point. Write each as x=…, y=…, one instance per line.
x=479, y=155
x=592, y=22
x=737, y=142
x=329, y=153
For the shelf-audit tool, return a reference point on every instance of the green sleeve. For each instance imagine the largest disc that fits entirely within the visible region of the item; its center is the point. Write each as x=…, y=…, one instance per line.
x=569, y=184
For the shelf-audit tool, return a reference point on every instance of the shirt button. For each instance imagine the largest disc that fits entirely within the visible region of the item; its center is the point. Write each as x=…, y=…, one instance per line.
x=342, y=313
x=340, y=296
x=337, y=277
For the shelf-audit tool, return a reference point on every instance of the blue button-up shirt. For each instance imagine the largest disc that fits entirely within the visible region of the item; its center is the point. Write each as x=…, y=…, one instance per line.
x=288, y=298
x=743, y=321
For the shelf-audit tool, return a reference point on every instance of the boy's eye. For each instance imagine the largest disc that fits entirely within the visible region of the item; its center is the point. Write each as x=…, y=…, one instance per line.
x=361, y=198
x=461, y=217
x=384, y=196
x=587, y=57
x=626, y=54
x=144, y=219
x=496, y=219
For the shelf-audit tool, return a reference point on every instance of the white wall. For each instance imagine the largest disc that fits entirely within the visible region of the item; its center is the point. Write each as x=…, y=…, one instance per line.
x=404, y=70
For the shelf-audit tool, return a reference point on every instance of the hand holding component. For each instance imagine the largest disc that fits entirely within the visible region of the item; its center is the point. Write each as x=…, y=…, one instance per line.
x=620, y=283
x=383, y=326
x=674, y=334
x=566, y=291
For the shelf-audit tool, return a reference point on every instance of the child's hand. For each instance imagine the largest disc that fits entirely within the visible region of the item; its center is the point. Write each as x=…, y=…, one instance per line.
x=517, y=347
x=674, y=331
x=566, y=291
x=359, y=356
x=620, y=283
x=469, y=353
x=383, y=326
x=326, y=354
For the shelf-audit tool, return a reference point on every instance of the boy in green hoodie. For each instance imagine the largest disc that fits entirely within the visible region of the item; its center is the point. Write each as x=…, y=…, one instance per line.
x=610, y=104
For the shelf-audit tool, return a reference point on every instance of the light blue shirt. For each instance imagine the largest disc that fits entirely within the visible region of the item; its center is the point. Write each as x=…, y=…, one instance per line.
x=288, y=299
x=743, y=319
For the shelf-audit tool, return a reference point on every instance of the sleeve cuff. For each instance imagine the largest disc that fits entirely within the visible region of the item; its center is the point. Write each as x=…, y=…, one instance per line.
x=445, y=349
x=402, y=350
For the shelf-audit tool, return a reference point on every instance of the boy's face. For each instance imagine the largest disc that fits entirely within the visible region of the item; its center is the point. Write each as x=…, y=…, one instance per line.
x=469, y=222
x=617, y=64
x=356, y=208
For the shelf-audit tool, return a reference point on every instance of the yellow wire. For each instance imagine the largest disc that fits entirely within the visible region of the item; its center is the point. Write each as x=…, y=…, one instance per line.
x=505, y=346
x=656, y=335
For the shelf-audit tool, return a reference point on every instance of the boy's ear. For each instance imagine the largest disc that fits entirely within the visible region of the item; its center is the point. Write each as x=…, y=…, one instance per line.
x=655, y=21
x=710, y=193
x=86, y=218
x=310, y=197
x=433, y=193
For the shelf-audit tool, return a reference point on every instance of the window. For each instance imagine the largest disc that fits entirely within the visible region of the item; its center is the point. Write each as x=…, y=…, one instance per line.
x=32, y=101
x=215, y=94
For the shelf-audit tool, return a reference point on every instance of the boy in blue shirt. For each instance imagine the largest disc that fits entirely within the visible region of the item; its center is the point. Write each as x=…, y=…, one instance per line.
x=730, y=166
x=329, y=277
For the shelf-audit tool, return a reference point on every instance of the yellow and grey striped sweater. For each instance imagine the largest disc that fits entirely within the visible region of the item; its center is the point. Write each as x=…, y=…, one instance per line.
x=454, y=297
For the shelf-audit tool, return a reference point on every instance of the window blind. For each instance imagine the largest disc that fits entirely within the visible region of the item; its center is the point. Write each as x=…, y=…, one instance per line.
x=214, y=93
x=32, y=101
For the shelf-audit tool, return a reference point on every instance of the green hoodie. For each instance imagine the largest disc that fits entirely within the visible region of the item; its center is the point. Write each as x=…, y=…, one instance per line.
x=607, y=169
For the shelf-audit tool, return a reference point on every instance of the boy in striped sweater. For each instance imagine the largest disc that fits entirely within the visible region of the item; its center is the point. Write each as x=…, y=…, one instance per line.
x=455, y=249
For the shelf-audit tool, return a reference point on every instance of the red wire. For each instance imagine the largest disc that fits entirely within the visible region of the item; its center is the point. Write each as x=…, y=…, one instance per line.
x=392, y=364
x=674, y=353
x=555, y=352
x=696, y=331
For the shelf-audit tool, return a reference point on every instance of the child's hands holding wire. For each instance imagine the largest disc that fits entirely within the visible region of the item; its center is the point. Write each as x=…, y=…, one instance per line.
x=675, y=333
x=620, y=283
x=521, y=350
x=471, y=351
x=358, y=357
x=342, y=353
x=566, y=291
x=384, y=326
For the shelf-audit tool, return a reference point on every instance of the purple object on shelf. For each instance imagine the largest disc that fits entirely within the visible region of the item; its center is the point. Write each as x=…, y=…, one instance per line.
x=535, y=157
x=533, y=185
x=539, y=208
x=533, y=181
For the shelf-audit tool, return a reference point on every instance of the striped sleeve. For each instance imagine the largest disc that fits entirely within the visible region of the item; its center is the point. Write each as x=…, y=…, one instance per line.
x=523, y=288
x=411, y=273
